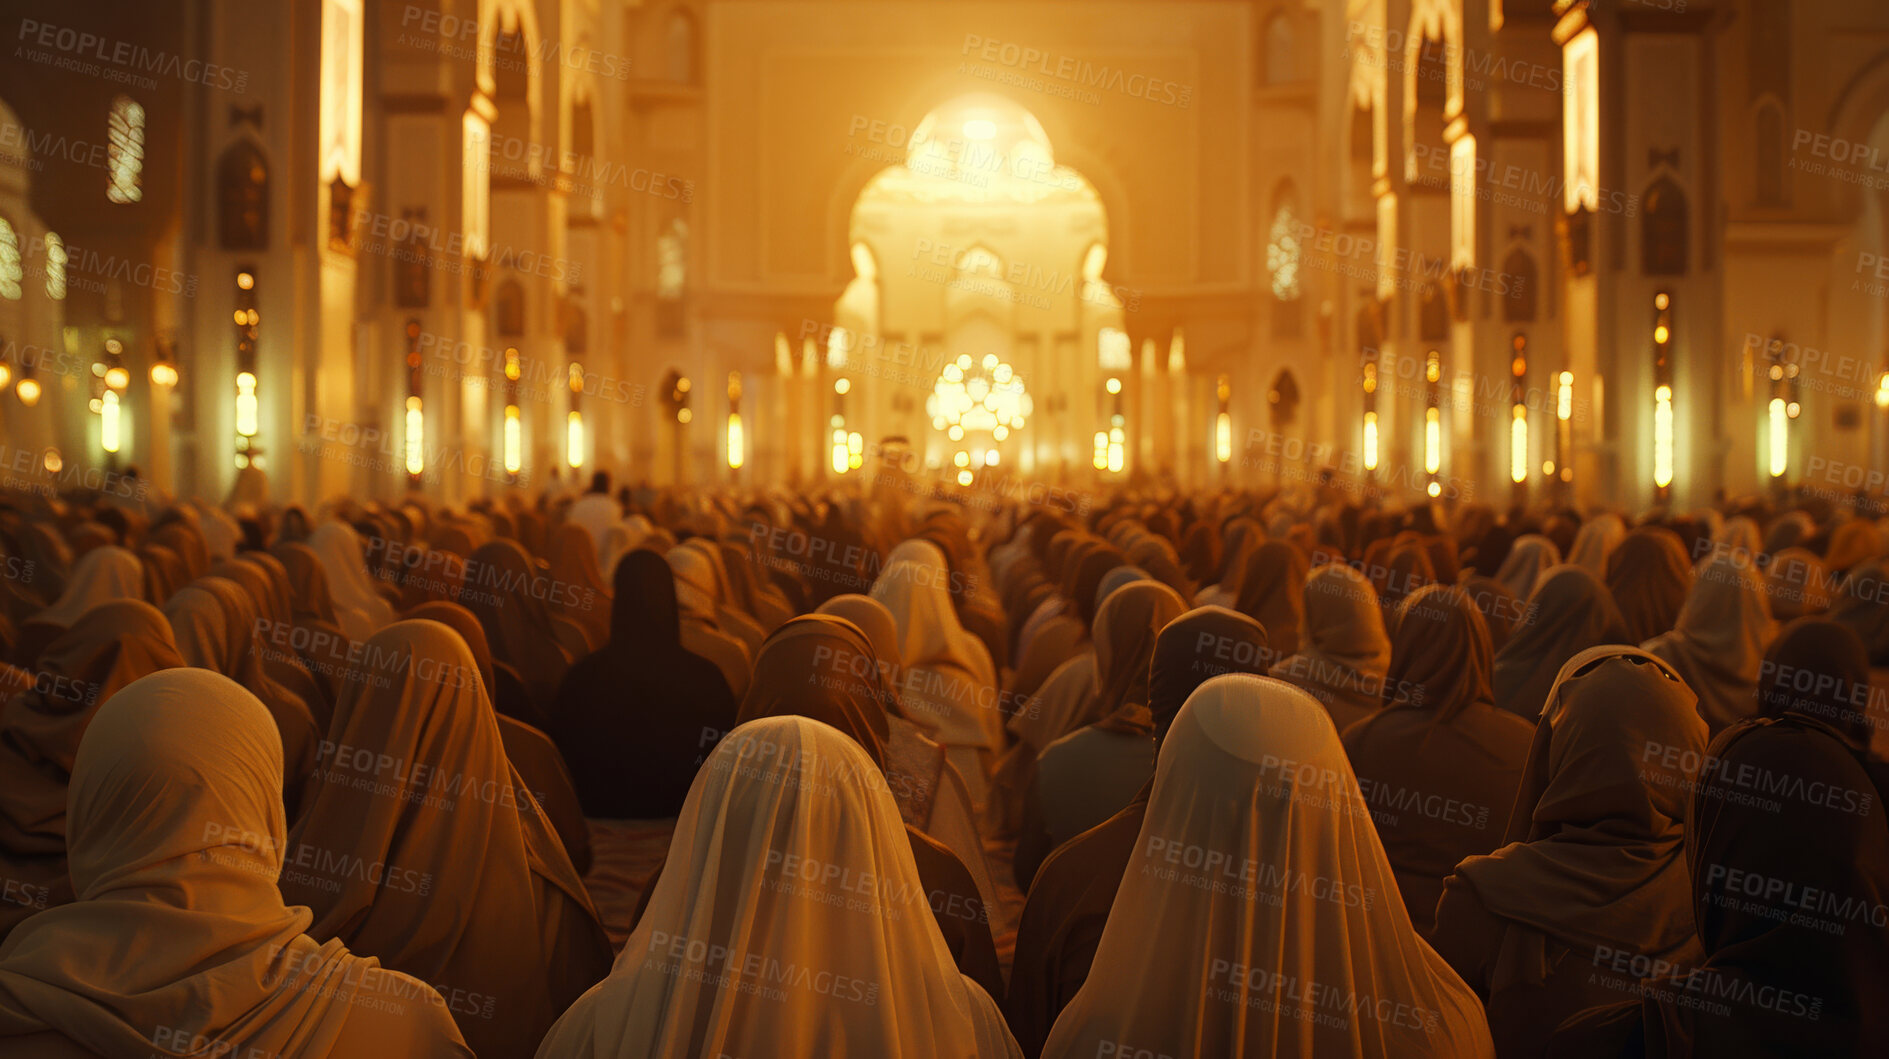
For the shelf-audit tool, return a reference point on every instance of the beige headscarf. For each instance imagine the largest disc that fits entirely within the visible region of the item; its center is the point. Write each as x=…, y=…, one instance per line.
x=1345, y=652
x=1717, y=646
x=420, y=844
x=791, y=921
x=180, y=943
x=1598, y=538
x=100, y=576
x=1258, y=914
x=359, y=609
x=915, y=585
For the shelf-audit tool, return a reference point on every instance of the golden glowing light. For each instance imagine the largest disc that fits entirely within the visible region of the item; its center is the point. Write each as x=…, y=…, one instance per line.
x=980, y=129
x=1780, y=437
x=1518, y=445
x=964, y=477
x=1882, y=390
x=1223, y=437
x=842, y=386
x=53, y=462
x=6, y=375
x=246, y=422
x=842, y=459
x=514, y=440
x=1113, y=385
x=245, y=281
x=855, y=450
x=962, y=458
x=1435, y=489
x=162, y=374
x=1661, y=334
x=1432, y=440
x=1663, y=436
x=1662, y=300
x=28, y=391
x=108, y=422
x=1101, y=450
x=736, y=442
x=1564, y=396
x=117, y=377
x=574, y=439
x=416, y=437
x=1370, y=441
x=685, y=416
x=512, y=370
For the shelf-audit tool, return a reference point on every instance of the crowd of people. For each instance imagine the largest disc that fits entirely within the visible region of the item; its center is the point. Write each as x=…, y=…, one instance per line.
x=899, y=770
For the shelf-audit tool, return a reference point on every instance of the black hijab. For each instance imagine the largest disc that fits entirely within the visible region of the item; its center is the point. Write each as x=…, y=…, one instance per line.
x=635, y=718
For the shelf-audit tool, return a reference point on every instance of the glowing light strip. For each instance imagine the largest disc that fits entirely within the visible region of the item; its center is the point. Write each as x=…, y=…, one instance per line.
x=1780, y=437
x=1370, y=441
x=246, y=404
x=735, y=442
x=1518, y=446
x=514, y=444
x=1432, y=440
x=1663, y=436
x=574, y=439
x=1223, y=437
x=108, y=421
x=416, y=437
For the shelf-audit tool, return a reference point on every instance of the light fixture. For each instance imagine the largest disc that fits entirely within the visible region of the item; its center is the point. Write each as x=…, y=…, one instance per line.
x=1663, y=436
x=842, y=386
x=163, y=373
x=246, y=423
x=116, y=377
x=1113, y=385
x=1432, y=440
x=574, y=439
x=1780, y=437
x=416, y=436
x=1518, y=445
x=514, y=441
x=980, y=129
x=735, y=441
x=108, y=421
x=1882, y=390
x=1223, y=437
x=1370, y=441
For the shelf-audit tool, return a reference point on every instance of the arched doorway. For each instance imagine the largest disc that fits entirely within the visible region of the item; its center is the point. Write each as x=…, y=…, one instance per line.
x=977, y=249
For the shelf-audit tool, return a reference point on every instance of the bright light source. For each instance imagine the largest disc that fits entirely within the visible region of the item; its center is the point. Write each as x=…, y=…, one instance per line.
x=574, y=439
x=117, y=377
x=1432, y=440
x=1661, y=300
x=1518, y=445
x=1780, y=437
x=1882, y=390
x=416, y=436
x=1564, y=397
x=162, y=374
x=964, y=477
x=841, y=458
x=514, y=441
x=28, y=391
x=108, y=422
x=53, y=462
x=980, y=129
x=1113, y=385
x=735, y=442
x=246, y=421
x=990, y=457
x=1370, y=441
x=1661, y=334
x=1663, y=436
x=961, y=458
x=245, y=281
x=842, y=386
x=1435, y=489
x=1223, y=437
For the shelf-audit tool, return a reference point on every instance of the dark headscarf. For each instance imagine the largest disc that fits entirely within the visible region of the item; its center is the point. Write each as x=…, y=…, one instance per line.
x=823, y=667
x=1570, y=612
x=1649, y=576
x=1440, y=653
x=1203, y=643
x=1862, y=606
x=634, y=719
x=1272, y=592
x=1818, y=669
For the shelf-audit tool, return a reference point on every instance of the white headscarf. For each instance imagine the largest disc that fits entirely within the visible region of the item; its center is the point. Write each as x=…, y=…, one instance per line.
x=101, y=575
x=1259, y=914
x=179, y=942
x=915, y=586
x=359, y=609
x=791, y=921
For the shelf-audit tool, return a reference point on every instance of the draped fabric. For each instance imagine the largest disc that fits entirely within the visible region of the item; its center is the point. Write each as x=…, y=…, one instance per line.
x=1570, y=612
x=595, y=514
x=1774, y=961
x=110, y=646
x=1596, y=541
x=421, y=845
x=1439, y=766
x=1851, y=544
x=950, y=682
x=1529, y=558
x=529, y=749
x=1345, y=654
x=1501, y=611
x=1271, y=591
x=1091, y=765
x=518, y=608
x=214, y=624
x=179, y=942
x=635, y=718
x=100, y=576
x=574, y=567
x=822, y=667
x=1649, y=575
x=1193, y=962
x=1818, y=669
x=1796, y=583
x=1718, y=645
x=1861, y=605
x=1592, y=862
x=696, y=597
x=751, y=947
x=359, y=609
